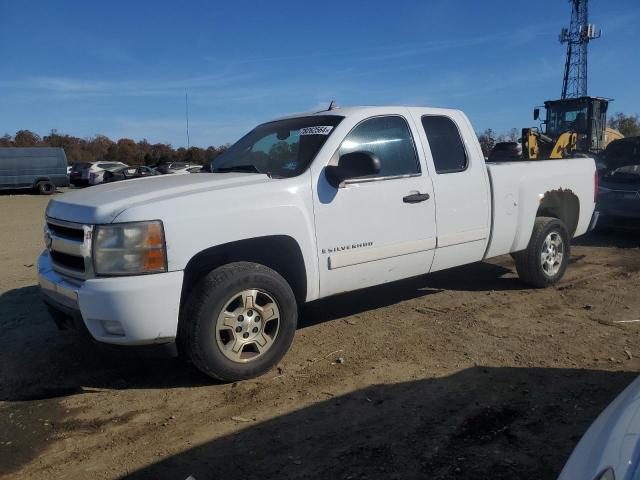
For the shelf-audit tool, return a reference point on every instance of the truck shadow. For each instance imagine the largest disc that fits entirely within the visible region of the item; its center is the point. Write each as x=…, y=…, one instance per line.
x=475, y=277
x=479, y=423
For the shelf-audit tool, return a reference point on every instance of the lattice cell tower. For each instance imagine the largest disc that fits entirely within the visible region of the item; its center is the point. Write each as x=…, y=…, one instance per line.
x=577, y=38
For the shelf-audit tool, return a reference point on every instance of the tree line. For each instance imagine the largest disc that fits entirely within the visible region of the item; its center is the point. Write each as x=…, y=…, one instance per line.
x=102, y=148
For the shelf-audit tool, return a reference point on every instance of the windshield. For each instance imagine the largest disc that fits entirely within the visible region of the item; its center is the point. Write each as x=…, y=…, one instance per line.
x=284, y=148
x=571, y=116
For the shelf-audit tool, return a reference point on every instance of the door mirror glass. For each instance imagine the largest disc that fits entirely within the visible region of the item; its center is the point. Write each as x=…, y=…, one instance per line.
x=536, y=113
x=352, y=165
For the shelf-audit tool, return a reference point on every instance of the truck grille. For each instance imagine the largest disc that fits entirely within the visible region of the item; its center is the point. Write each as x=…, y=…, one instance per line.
x=68, y=261
x=68, y=232
x=69, y=248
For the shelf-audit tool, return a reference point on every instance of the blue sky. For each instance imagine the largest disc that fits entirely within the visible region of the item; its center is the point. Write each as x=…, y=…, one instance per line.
x=121, y=68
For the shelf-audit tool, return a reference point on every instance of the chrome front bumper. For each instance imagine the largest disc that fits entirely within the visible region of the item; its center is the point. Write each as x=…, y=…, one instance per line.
x=54, y=288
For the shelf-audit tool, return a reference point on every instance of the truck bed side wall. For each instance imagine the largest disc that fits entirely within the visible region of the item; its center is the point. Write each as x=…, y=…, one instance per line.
x=518, y=190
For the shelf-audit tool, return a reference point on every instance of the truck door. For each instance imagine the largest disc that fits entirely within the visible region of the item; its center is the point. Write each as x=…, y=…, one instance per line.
x=461, y=186
x=379, y=228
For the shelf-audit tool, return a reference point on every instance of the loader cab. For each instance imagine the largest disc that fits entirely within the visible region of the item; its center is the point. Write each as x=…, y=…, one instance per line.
x=584, y=116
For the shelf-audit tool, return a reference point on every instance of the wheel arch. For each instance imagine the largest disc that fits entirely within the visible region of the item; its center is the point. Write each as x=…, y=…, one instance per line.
x=37, y=180
x=281, y=253
x=563, y=205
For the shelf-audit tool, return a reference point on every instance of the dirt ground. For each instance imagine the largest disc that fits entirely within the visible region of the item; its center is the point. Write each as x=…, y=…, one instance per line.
x=460, y=374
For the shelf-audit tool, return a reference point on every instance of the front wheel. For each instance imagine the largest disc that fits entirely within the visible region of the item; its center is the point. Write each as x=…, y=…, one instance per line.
x=238, y=321
x=545, y=260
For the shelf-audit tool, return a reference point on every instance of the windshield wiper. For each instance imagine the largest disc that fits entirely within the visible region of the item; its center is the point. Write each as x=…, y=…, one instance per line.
x=249, y=168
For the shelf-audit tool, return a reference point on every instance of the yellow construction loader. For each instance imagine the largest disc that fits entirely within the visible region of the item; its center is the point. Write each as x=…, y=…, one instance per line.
x=573, y=127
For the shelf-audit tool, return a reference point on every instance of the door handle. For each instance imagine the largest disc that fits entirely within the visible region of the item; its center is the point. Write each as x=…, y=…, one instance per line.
x=416, y=198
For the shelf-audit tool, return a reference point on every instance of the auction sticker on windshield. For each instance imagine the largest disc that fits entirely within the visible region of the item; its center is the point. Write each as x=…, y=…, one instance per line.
x=319, y=130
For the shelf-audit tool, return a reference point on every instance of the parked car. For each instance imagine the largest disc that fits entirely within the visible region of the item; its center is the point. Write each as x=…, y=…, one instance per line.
x=192, y=169
x=91, y=173
x=506, y=152
x=172, y=167
x=301, y=208
x=76, y=174
x=619, y=188
x=98, y=169
x=127, y=173
x=610, y=448
x=38, y=169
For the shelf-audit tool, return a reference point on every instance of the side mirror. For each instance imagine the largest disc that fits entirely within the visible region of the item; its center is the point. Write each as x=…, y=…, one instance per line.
x=536, y=113
x=352, y=165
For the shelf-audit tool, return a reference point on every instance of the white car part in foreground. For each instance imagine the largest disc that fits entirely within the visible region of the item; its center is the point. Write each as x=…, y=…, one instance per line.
x=610, y=448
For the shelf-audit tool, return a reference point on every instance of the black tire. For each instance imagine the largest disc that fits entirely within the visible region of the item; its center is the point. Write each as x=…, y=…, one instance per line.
x=197, y=335
x=528, y=262
x=45, y=188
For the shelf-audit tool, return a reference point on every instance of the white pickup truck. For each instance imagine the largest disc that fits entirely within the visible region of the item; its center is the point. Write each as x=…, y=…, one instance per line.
x=300, y=208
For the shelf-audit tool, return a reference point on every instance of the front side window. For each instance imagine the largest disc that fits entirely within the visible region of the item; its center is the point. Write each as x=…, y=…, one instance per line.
x=446, y=146
x=282, y=149
x=389, y=138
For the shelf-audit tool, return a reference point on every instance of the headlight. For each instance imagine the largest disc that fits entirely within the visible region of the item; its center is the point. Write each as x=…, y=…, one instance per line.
x=129, y=248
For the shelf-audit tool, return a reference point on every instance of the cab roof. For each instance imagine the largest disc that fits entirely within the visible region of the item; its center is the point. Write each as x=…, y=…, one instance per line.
x=366, y=109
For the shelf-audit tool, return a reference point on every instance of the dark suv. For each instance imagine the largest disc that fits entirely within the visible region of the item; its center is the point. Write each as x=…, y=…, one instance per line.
x=75, y=177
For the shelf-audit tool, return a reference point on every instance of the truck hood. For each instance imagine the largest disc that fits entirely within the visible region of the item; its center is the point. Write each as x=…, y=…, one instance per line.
x=103, y=203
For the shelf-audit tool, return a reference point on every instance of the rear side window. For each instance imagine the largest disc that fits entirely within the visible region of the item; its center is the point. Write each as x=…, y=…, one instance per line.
x=390, y=139
x=447, y=149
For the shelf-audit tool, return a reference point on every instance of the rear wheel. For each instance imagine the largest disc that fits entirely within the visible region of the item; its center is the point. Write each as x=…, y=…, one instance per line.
x=45, y=187
x=545, y=260
x=238, y=321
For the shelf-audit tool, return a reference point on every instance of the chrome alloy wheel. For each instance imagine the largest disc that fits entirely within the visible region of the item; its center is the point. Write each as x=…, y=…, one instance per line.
x=248, y=325
x=552, y=254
